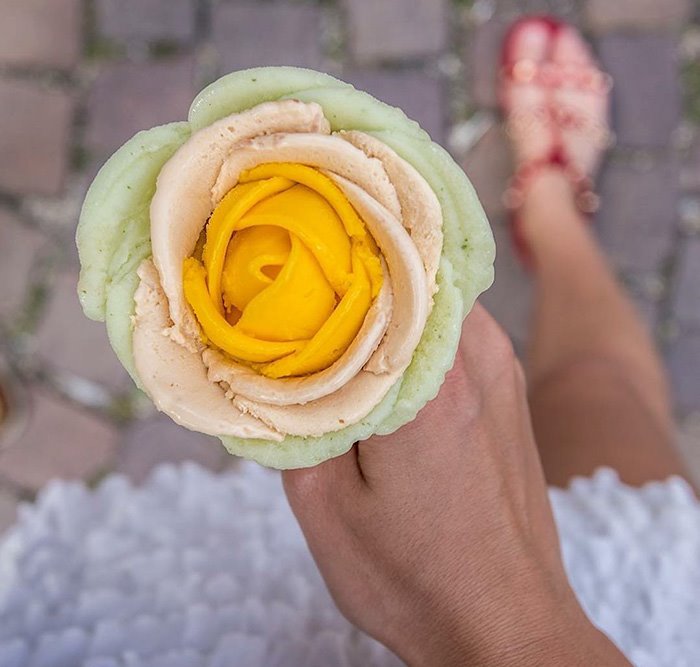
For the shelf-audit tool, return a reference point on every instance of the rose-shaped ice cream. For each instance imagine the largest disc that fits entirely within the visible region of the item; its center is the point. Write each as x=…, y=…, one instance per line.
x=289, y=269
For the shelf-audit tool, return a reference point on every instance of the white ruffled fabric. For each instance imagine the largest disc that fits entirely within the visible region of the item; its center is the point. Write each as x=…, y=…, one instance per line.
x=201, y=570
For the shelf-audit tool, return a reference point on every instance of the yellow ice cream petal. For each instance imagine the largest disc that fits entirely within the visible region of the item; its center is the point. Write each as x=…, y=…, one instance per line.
x=316, y=181
x=218, y=331
x=330, y=192
x=308, y=216
x=336, y=334
x=288, y=259
x=254, y=258
x=295, y=305
x=222, y=225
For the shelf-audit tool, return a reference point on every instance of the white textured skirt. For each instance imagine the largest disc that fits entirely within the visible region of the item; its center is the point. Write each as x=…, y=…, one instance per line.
x=195, y=569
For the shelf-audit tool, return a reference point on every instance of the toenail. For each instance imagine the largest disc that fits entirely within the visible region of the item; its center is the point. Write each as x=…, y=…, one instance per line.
x=524, y=71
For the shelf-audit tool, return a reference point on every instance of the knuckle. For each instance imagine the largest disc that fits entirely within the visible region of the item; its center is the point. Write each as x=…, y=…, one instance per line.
x=492, y=340
x=502, y=352
x=520, y=378
x=301, y=485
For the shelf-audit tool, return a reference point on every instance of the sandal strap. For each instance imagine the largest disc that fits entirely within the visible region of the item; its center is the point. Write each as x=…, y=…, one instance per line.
x=564, y=117
x=586, y=199
x=557, y=75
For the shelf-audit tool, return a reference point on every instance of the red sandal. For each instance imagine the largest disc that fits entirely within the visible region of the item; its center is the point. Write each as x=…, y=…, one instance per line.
x=551, y=76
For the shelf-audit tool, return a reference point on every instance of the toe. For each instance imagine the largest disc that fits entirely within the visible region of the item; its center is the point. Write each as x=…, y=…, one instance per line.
x=528, y=39
x=570, y=48
x=523, y=99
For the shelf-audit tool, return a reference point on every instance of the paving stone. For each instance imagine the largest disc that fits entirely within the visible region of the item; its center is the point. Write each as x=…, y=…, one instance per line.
x=686, y=305
x=59, y=441
x=489, y=165
x=509, y=299
x=648, y=310
x=689, y=443
x=647, y=96
x=604, y=15
x=59, y=213
x=396, y=29
x=645, y=291
x=146, y=20
x=158, y=439
x=689, y=215
x=67, y=340
x=247, y=34
x=127, y=97
x=638, y=218
x=483, y=55
x=8, y=509
x=683, y=362
x=421, y=95
x=41, y=32
x=690, y=176
x=13, y=405
x=19, y=246
x=564, y=8
x=515, y=8
x=35, y=127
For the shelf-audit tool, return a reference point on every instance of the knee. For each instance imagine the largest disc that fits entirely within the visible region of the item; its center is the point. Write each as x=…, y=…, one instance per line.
x=595, y=372
x=608, y=382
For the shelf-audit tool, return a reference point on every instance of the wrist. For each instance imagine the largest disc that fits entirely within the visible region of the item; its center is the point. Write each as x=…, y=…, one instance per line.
x=532, y=628
x=556, y=640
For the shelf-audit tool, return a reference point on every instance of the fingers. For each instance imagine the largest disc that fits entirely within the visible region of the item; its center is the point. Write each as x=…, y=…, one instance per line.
x=438, y=426
x=315, y=490
x=437, y=433
x=483, y=340
x=485, y=358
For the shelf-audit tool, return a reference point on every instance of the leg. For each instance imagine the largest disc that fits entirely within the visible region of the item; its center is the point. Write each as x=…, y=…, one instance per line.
x=598, y=394
x=597, y=389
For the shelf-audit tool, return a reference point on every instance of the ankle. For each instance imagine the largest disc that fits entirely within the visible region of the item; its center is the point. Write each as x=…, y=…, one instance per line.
x=550, y=203
x=549, y=192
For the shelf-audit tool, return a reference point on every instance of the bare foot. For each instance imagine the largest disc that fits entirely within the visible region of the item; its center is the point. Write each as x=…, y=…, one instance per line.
x=555, y=97
x=524, y=99
x=581, y=103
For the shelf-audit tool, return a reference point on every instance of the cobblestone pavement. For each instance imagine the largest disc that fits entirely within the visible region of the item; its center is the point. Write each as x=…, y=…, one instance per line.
x=78, y=77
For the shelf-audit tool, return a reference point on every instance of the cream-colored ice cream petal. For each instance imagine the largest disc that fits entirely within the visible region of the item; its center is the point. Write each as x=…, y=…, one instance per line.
x=411, y=292
x=175, y=378
x=468, y=240
x=349, y=405
x=328, y=153
x=420, y=209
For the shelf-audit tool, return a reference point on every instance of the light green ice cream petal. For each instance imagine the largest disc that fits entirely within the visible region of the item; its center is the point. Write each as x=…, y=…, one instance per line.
x=296, y=452
x=242, y=90
x=347, y=108
x=114, y=237
x=124, y=186
x=120, y=294
x=434, y=355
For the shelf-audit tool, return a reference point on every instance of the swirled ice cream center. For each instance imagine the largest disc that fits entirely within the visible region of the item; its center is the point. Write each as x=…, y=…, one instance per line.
x=288, y=272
